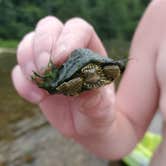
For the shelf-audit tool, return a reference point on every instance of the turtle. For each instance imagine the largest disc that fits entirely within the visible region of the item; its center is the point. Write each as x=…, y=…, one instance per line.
x=84, y=70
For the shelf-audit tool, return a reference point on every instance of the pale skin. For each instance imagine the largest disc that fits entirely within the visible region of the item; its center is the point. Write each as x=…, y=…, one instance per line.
x=107, y=124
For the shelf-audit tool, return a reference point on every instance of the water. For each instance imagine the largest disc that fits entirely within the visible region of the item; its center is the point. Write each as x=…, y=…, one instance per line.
x=13, y=108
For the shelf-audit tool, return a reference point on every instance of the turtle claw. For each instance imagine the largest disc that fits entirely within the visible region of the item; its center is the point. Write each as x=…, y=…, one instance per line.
x=38, y=79
x=44, y=80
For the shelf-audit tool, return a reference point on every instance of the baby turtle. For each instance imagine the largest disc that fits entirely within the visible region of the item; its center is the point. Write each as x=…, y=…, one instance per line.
x=84, y=70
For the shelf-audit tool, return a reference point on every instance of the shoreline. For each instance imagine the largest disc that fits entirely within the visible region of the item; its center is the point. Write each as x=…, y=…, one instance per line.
x=7, y=50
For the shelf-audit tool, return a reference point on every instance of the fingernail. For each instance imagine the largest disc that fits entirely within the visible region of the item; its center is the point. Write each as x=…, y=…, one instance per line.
x=42, y=61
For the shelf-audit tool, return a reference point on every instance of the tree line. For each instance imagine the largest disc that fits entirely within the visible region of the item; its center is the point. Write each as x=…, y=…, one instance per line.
x=110, y=18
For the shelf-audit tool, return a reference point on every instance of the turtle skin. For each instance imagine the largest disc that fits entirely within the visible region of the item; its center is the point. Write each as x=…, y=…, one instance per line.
x=83, y=70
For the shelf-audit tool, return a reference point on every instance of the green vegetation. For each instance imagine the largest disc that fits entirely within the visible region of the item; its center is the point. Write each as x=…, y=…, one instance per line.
x=111, y=18
x=8, y=43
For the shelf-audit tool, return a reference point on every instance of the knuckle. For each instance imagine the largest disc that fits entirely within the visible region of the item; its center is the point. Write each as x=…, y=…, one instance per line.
x=48, y=20
x=80, y=23
x=45, y=19
x=77, y=20
x=28, y=36
x=25, y=45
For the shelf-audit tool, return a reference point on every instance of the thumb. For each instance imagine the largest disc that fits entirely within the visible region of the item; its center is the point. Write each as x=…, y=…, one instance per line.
x=93, y=111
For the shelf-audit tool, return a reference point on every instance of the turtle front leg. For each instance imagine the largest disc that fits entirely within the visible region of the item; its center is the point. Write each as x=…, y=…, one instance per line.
x=72, y=87
x=111, y=72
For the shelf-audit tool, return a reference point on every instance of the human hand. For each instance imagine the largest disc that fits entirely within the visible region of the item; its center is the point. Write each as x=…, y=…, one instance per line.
x=107, y=125
x=80, y=117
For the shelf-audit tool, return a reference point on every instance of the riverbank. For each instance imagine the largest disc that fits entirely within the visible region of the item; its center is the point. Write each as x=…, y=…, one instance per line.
x=4, y=51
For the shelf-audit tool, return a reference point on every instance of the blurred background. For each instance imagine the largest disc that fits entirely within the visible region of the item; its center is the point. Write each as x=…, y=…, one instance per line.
x=26, y=139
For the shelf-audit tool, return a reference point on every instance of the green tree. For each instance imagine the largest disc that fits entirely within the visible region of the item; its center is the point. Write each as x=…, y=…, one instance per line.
x=111, y=18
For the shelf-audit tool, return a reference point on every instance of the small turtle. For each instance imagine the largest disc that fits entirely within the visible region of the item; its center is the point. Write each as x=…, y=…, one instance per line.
x=84, y=70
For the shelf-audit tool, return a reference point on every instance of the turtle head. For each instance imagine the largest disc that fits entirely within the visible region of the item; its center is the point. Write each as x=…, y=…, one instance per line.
x=45, y=80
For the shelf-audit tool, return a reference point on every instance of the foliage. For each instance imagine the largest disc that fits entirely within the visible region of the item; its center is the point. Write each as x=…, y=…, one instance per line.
x=111, y=18
x=8, y=43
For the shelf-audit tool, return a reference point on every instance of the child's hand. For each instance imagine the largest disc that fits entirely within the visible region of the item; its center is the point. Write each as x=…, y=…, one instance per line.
x=108, y=126
x=86, y=116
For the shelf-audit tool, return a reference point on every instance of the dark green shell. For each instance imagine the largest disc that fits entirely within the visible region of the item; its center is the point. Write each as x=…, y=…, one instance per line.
x=77, y=60
x=53, y=77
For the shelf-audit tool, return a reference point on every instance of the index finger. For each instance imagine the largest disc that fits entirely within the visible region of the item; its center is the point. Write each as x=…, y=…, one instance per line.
x=76, y=33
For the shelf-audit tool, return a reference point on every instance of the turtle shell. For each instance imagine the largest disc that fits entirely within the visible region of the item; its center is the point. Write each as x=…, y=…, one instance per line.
x=77, y=60
x=54, y=78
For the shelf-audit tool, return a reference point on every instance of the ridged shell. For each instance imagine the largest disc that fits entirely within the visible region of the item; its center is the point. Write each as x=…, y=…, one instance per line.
x=77, y=60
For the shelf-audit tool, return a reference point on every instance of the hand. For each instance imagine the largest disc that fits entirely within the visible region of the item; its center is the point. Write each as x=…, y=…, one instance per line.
x=86, y=116
x=106, y=124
